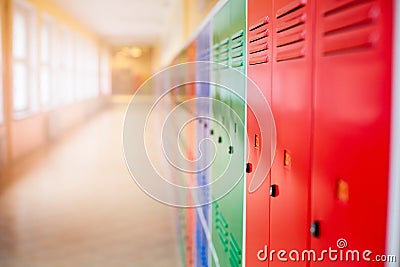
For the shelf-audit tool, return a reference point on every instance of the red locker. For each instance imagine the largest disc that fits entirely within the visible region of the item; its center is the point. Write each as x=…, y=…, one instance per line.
x=292, y=103
x=352, y=126
x=259, y=70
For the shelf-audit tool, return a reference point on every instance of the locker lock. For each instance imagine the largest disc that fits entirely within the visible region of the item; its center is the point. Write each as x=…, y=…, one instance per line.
x=230, y=150
x=220, y=139
x=212, y=132
x=315, y=229
x=274, y=190
x=249, y=167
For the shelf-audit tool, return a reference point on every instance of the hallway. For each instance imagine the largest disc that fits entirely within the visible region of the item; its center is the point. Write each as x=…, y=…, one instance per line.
x=74, y=204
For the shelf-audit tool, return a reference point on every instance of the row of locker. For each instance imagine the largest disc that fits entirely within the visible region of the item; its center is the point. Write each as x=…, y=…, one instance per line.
x=325, y=70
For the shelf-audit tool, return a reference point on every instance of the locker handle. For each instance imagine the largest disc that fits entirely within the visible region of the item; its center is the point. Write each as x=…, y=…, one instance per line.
x=249, y=167
x=274, y=190
x=315, y=229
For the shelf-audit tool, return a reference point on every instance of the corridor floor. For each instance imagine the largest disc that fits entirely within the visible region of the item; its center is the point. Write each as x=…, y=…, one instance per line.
x=74, y=204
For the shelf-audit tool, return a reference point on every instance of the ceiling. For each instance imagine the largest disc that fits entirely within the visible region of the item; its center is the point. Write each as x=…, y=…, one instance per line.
x=122, y=22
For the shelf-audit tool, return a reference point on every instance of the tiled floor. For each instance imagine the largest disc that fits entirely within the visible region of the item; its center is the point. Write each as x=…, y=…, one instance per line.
x=74, y=204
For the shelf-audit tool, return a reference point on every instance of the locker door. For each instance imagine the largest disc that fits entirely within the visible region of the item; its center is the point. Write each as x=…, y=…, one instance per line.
x=227, y=213
x=234, y=201
x=292, y=108
x=352, y=126
x=189, y=135
x=220, y=226
x=203, y=177
x=259, y=70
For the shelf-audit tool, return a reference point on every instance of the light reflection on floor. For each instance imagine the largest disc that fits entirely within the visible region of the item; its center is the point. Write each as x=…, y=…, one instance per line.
x=73, y=204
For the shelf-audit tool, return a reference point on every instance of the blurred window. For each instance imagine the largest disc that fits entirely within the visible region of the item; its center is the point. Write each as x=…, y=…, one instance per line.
x=46, y=50
x=105, y=72
x=24, y=58
x=69, y=61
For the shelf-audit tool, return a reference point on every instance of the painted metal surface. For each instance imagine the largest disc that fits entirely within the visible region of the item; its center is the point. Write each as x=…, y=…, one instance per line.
x=203, y=53
x=292, y=102
x=227, y=213
x=352, y=125
x=259, y=70
x=326, y=69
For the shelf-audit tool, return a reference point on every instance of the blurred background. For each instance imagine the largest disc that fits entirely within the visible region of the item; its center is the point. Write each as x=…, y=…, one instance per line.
x=69, y=68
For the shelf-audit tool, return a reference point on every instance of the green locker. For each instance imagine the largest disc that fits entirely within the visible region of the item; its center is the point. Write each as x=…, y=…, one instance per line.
x=227, y=212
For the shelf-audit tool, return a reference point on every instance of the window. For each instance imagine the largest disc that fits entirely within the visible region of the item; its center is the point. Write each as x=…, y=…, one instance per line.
x=46, y=57
x=80, y=68
x=93, y=70
x=69, y=56
x=105, y=72
x=24, y=58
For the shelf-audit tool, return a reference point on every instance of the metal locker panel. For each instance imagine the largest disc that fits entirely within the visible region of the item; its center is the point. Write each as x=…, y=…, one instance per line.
x=352, y=126
x=187, y=141
x=202, y=132
x=220, y=53
x=292, y=85
x=177, y=176
x=237, y=61
x=227, y=213
x=190, y=154
x=259, y=70
x=236, y=127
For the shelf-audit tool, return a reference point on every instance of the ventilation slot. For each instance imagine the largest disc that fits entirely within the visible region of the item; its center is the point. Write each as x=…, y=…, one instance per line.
x=215, y=55
x=205, y=54
x=291, y=31
x=222, y=229
x=235, y=253
x=349, y=26
x=221, y=54
x=290, y=8
x=237, y=49
x=258, y=42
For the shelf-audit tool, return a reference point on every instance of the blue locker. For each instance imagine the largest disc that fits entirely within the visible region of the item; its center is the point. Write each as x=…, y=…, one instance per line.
x=203, y=130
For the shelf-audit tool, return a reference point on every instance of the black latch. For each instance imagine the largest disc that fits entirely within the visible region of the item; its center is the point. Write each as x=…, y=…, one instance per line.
x=315, y=229
x=274, y=190
x=249, y=167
